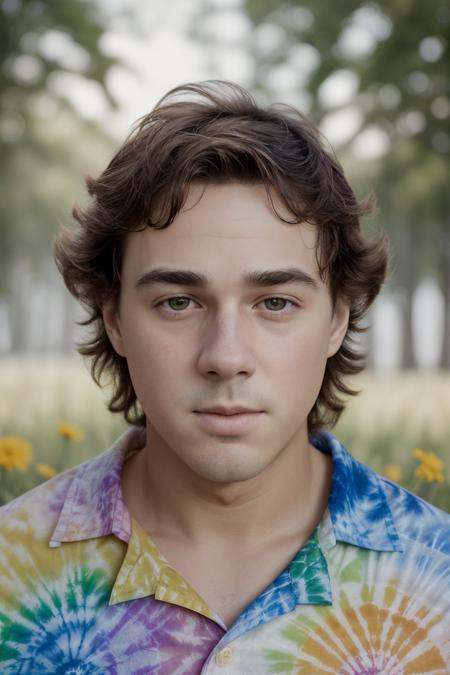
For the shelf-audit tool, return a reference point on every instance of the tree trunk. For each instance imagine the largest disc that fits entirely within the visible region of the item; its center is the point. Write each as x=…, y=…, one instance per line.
x=367, y=341
x=407, y=279
x=444, y=361
x=408, y=356
x=21, y=282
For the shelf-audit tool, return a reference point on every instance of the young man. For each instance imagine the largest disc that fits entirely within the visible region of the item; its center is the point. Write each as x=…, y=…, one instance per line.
x=225, y=273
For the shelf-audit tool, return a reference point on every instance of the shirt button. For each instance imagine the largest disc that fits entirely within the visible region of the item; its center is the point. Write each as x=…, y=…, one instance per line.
x=224, y=657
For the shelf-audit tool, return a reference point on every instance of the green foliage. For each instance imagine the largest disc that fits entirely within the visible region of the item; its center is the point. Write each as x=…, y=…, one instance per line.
x=403, y=68
x=393, y=50
x=24, y=24
x=40, y=182
x=44, y=146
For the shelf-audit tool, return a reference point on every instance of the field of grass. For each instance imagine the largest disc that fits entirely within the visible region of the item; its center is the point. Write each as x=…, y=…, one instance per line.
x=393, y=415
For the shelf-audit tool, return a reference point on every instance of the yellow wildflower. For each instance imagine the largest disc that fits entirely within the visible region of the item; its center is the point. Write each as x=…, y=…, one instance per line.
x=46, y=470
x=15, y=453
x=431, y=467
x=70, y=432
x=393, y=472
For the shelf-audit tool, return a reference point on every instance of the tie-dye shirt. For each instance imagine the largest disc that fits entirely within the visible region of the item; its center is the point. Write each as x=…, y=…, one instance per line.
x=84, y=590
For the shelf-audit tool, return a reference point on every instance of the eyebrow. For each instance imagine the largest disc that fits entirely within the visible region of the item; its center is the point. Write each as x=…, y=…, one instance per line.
x=253, y=279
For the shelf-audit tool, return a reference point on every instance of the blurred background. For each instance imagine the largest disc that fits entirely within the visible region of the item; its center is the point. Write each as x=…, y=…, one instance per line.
x=373, y=75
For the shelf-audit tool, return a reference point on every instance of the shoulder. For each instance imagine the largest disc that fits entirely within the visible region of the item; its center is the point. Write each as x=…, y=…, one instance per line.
x=37, y=511
x=81, y=499
x=39, y=508
x=371, y=511
x=416, y=520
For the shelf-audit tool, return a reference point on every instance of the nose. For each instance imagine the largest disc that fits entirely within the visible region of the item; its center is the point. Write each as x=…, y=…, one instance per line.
x=225, y=347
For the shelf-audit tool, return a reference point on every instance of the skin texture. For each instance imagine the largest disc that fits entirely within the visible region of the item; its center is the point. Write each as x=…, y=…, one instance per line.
x=228, y=344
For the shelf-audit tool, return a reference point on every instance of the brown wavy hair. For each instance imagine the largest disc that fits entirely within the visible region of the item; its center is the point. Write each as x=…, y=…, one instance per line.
x=213, y=132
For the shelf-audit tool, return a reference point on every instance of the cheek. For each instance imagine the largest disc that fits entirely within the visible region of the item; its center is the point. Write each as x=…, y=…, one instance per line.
x=147, y=346
x=303, y=364
x=155, y=366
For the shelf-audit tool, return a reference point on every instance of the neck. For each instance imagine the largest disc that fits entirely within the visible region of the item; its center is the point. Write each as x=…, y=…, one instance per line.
x=287, y=499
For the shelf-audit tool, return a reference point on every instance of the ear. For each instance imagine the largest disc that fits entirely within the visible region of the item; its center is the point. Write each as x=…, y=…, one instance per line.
x=339, y=325
x=111, y=321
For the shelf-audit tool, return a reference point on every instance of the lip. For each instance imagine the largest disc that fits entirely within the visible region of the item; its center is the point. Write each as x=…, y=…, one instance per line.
x=229, y=424
x=223, y=410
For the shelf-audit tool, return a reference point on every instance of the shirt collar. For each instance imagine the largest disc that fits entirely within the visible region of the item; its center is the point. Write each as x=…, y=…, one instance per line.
x=145, y=571
x=357, y=504
x=94, y=506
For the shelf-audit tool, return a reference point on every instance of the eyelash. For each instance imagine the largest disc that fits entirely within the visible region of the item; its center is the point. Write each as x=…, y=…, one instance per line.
x=185, y=297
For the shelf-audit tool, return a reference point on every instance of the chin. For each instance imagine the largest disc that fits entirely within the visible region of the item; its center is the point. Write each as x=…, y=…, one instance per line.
x=228, y=471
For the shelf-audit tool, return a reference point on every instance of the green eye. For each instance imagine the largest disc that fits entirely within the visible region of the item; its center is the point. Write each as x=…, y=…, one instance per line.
x=178, y=303
x=174, y=303
x=275, y=301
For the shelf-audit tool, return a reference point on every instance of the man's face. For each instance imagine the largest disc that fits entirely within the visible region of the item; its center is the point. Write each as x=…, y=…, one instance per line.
x=188, y=348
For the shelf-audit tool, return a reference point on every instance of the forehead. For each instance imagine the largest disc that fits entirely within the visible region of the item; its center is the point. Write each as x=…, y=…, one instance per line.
x=224, y=230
